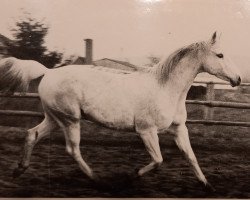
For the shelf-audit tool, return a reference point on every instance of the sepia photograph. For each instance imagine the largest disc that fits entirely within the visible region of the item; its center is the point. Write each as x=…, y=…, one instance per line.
x=125, y=99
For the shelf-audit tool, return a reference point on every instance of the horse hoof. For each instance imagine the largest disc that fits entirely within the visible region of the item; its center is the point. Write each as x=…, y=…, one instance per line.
x=209, y=188
x=95, y=179
x=137, y=173
x=17, y=172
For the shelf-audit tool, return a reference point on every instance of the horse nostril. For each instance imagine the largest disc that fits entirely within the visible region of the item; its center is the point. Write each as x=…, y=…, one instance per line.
x=235, y=82
x=239, y=80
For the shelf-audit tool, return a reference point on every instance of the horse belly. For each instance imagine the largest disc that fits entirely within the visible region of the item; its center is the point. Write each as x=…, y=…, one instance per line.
x=110, y=115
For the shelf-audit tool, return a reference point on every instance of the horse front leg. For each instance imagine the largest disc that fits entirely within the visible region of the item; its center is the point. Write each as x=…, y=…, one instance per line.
x=183, y=142
x=151, y=142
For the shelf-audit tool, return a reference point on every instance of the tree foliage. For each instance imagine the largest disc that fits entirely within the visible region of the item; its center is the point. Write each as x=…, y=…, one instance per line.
x=29, y=41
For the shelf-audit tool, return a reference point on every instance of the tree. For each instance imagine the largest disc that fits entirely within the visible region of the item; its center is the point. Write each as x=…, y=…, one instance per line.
x=52, y=58
x=29, y=37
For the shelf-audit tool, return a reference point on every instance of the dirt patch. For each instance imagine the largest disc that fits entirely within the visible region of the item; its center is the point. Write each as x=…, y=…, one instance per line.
x=223, y=154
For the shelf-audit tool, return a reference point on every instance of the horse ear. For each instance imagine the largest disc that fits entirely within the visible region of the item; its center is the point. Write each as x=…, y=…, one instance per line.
x=214, y=38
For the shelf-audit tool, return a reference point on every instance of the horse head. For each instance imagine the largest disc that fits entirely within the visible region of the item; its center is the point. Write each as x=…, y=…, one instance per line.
x=216, y=63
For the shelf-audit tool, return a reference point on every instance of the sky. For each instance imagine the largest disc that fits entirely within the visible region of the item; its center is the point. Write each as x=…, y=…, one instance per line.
x=134, y=29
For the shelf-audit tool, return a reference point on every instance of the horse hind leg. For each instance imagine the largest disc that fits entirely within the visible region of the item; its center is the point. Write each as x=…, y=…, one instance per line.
x=72, y=137
x=33, y=136
x=70, y=125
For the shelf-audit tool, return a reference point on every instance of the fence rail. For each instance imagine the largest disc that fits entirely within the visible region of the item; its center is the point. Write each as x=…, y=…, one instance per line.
x=208, y=112
x=223, y=123
x=20, y=95
x=205, y=122
x=220, y=104
x=21, y=113
x=219, y=83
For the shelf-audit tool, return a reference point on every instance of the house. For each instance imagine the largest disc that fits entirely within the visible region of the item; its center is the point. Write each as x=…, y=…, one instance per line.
x=115, y=64
x=105, y=62
x=5, y=44
x=79, y=60
x=87, y=60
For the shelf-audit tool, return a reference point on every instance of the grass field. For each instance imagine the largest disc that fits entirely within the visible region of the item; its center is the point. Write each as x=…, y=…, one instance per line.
x=222, y=152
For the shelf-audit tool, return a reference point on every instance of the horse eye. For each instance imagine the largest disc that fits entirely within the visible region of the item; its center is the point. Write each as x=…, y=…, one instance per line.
x=220, y=55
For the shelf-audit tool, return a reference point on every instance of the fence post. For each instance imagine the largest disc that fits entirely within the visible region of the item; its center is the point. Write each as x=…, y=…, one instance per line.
x=209, y=111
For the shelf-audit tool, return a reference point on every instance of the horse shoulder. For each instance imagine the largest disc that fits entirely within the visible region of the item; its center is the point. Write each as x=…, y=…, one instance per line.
x=154, y=111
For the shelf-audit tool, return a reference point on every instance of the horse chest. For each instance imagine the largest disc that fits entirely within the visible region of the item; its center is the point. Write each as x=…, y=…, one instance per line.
x=159, y=114
x=164, y=117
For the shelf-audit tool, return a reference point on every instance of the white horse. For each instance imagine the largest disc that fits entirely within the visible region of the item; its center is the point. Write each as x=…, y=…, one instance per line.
x=147, y=102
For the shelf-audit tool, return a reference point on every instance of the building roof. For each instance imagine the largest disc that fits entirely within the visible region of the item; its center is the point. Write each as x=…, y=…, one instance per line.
x=78, y=60
x=127, y=64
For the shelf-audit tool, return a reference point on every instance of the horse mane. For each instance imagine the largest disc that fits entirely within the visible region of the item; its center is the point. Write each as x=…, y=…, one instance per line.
x=167, y=65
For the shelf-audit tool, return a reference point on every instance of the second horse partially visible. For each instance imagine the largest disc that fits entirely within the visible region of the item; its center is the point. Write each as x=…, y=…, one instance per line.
x=147, y=102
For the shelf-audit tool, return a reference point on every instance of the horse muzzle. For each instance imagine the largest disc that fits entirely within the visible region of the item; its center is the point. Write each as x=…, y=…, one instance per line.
x=236, y=82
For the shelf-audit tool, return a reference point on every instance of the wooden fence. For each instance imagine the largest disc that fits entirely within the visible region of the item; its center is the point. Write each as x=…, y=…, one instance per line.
x=209, y=104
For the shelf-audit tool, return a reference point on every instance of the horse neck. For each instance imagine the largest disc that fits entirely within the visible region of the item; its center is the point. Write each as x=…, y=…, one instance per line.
x=181, y=78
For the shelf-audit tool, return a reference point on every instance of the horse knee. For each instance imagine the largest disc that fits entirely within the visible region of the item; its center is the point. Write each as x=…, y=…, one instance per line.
x=76, y=154
x=69, y=150
x=31, y=136
x=73, y=152
x=192, y=160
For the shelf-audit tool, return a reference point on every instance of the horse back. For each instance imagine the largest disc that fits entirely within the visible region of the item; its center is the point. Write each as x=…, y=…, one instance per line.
x=101, y=96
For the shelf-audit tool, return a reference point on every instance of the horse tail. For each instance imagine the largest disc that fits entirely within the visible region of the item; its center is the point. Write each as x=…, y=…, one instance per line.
x=16, y=75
